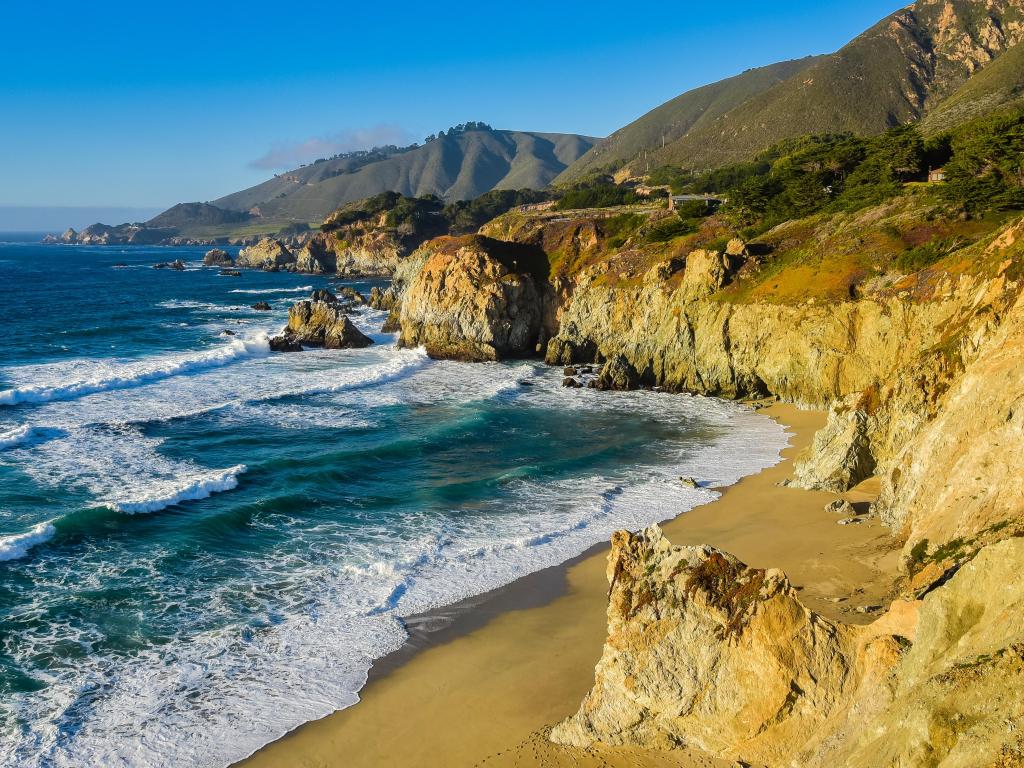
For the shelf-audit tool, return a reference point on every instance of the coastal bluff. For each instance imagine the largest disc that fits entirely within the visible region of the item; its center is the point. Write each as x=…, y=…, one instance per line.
x=704, y=651
x=919, y=373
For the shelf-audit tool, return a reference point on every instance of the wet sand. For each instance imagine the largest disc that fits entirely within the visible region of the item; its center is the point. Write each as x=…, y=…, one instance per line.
x=479, y=683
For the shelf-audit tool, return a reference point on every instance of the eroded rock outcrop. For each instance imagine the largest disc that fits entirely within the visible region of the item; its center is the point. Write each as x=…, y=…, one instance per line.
x=840, y=455
x=707, y=652
x=319, y=324
x=474, y=299
x=268, y=254
x=704, y=651
x=217, y=257
x=316, y=258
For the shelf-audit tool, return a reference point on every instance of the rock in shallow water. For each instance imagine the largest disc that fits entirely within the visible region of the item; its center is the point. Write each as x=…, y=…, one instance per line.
x=218, y=257
x=319, y=324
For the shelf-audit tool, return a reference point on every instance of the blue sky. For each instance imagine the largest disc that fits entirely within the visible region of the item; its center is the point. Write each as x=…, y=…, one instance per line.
x=147, y=104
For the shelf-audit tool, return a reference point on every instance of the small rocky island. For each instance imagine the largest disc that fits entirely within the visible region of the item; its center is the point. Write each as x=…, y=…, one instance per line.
x=321, y=321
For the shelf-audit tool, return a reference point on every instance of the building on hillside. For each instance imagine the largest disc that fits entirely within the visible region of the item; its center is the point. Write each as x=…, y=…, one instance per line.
x=936, y=175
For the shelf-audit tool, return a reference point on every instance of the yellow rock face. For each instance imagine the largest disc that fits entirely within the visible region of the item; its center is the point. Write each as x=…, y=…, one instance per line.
x=704, y=651
x=466, y=303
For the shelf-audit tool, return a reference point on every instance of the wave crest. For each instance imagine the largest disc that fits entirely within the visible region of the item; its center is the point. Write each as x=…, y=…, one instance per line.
x=202, y=487
x=16, y=546
x=140, y=373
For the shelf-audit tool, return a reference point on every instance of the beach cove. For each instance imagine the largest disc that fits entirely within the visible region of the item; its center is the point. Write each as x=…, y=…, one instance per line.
x=485, y=688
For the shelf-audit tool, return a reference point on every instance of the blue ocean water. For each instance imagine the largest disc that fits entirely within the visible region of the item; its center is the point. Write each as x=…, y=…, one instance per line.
x=203, y=545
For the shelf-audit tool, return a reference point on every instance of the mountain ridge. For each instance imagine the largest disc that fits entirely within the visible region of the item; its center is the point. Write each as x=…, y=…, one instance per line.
x=896, y=72
x=459, y=165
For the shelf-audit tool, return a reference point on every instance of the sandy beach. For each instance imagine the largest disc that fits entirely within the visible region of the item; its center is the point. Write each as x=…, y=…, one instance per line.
x=484, y=688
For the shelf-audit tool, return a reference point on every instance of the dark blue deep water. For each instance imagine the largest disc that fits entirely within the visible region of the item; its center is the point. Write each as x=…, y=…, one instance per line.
x=203, y=545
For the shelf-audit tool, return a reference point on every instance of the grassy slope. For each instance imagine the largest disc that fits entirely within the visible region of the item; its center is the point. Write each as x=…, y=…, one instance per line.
x=891, y=74
x=454, y=167
x=684, y=113
x=999, y=84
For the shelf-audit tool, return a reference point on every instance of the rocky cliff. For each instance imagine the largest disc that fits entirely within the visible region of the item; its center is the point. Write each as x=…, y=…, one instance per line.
x=474, y=299
x=705, y=651
x=880, y=352
x=920, y=374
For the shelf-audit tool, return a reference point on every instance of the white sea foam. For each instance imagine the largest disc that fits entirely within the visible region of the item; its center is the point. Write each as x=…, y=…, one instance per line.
x=168, y=493
x=334, y=604
x=111, y=376
x=219, y=695
x=15, y=437
x=16, y=546
x=300, y=289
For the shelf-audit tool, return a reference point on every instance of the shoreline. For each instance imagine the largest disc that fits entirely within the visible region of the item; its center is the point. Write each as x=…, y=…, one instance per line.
x=482, y=679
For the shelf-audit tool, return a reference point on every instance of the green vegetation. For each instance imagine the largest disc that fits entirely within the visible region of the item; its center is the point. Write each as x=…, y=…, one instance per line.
x=417, y=215
x=600, y=195
x=801, y=177
x=986, y=171
x=466, y=216
x=399, y=211
x=925, y=255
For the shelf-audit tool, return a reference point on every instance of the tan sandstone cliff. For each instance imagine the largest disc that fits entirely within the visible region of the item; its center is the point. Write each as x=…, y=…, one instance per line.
x=921, y=376
x=707, y=652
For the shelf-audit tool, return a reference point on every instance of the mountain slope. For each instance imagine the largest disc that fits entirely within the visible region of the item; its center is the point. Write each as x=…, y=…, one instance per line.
x=999, y=84
x=457, y=166
x=894, y=73
x=676, y=118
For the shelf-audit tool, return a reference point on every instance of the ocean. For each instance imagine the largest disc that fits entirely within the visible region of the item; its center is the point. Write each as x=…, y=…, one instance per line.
x=203, y=545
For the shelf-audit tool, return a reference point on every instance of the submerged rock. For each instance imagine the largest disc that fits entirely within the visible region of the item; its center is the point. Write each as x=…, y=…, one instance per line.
x=177, y=265
x=322, y=294
x=284, y=343
x=618, y=374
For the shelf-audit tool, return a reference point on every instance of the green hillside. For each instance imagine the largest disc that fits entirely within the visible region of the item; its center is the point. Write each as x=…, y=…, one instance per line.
x=894, y=73
x=674, y=119
x=460, y=165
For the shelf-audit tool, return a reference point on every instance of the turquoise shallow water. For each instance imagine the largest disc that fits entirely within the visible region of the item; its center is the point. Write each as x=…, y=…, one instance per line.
x=203, y=545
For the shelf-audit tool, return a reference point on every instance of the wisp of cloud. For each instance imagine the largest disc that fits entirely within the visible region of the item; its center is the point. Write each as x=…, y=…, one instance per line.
x=286, y=155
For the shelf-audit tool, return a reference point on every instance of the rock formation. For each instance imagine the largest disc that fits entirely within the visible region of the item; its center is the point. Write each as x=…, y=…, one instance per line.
x=704, y=651
x=319, y=324
x=268, y=254
x=922, y=380
x=217, y=257
x=315, y=258
x=474, y=299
